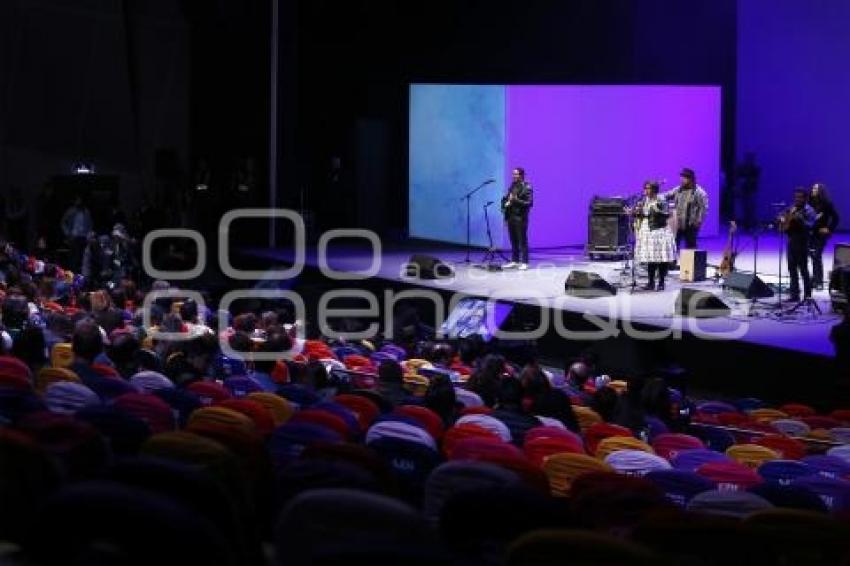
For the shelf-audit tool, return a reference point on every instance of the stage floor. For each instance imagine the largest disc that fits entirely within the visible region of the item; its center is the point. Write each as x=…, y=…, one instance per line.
x=542, y=284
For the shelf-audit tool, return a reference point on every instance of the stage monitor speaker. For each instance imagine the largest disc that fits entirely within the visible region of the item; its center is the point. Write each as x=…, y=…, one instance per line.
x=839, y=288
x=841, y=255
x=608, y=231
x=427, y=267
x=692, y=265
x=588, y=285
x=696, y=303
x=748, y=285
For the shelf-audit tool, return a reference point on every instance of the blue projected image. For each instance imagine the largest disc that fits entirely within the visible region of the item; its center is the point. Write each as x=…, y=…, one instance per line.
x=457, y=141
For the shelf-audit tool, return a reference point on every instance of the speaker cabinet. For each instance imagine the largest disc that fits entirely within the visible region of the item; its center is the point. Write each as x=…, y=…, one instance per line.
x=427, y=267
x=607, y=232
x=695, y=303
x=587, y=285
x=692, y=265
x=748, y=285
x=839, y=287
x=840, y=255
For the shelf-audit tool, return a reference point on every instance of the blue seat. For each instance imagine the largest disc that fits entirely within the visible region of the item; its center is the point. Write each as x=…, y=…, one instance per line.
x=411, y=463
x=784, y=472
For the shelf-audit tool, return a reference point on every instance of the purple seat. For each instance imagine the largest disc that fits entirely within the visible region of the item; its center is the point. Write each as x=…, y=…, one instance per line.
x=298, y=394
x=679, y=486
x=289, y=440
x=784, y=472
x=790, y=496
x=241, y=386
x=829, y=466
x=834, y=493
x=342, y=412
x=716, y=439
x=728, y=503
x=690, y=460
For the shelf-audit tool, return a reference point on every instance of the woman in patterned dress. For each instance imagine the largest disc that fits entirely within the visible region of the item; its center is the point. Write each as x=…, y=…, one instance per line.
x=656, y=244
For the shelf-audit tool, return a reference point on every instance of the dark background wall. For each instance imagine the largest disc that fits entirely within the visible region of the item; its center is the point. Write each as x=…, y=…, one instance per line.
x=96, y=80
x=119, y=82
x=793, y=92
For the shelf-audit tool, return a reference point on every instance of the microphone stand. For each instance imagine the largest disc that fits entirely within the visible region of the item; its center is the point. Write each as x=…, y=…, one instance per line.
x=467, y=197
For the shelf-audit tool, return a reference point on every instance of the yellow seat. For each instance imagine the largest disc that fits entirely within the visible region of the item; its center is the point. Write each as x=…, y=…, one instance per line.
x=586, y=417
x=48, y=375
x=563, y=468
x=62, y=355
x=280, y=408
x=614, y=443
x=416, y=384
x=751, y=455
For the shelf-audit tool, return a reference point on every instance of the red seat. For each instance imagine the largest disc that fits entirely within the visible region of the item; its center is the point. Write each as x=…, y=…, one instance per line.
x=668, y=444
x=732, y=419
x=480, y=448
x=842, y=415
x=364, y=409
x=426, y=417
x=539, y=448
x=598, y=432
x=480, y=410
x=787, y=447
x=322, y=418
x=462, y=431
x=797, y=410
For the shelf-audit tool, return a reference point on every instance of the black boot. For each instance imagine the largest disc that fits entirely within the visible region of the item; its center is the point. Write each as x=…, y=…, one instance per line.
x=651, y=285
x=662, y=274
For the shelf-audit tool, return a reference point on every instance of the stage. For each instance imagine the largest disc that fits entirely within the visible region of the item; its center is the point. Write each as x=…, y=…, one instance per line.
x=757, y=349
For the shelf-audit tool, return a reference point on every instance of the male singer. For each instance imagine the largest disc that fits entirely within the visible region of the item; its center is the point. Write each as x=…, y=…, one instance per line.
x=515, y=206
x=797, y=223
x=691, y=205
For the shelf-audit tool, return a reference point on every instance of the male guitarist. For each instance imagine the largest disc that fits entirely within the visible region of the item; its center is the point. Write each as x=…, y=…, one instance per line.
x=515, y=206
x=797, y=223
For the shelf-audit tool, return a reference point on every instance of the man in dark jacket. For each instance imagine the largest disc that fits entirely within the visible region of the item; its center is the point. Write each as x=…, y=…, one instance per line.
x=826, y=221
x=516, y=204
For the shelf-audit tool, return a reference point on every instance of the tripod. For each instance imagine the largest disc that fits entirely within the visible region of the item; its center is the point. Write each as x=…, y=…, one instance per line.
x=467, y=197
x=492, y=255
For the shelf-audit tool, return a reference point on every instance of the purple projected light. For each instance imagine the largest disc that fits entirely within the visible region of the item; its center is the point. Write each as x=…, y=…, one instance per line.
x=579, y=141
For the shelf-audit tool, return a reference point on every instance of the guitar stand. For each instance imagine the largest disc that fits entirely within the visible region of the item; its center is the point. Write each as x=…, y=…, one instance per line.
x=809, y=305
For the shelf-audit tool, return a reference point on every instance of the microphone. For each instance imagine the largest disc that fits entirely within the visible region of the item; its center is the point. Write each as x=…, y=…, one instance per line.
x=488, y=181
x=489, y=203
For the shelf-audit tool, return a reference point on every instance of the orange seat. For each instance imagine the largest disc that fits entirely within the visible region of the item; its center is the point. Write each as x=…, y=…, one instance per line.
x=563, y=469
x=751, y=455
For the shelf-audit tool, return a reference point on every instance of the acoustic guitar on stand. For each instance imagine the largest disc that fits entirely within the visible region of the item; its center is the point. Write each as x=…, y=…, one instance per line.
x=730, y=252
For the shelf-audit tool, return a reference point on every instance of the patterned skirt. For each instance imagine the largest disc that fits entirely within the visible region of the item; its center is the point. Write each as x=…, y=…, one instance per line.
x=655, y=246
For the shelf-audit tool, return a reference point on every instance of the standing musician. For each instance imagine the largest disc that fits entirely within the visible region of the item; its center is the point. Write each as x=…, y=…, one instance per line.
x=655, y=244
x=797, y=223
x=691, y=206
x=826, y=221
x=515, y=206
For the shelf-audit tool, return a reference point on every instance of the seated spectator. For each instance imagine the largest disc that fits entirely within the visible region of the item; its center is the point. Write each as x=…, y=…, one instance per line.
x=440, y=397
x=391, y=382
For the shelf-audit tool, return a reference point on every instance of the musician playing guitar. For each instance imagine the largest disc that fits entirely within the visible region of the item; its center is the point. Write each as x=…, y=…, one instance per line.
x=796, y=222
x=826, y=222
x=515, y=206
